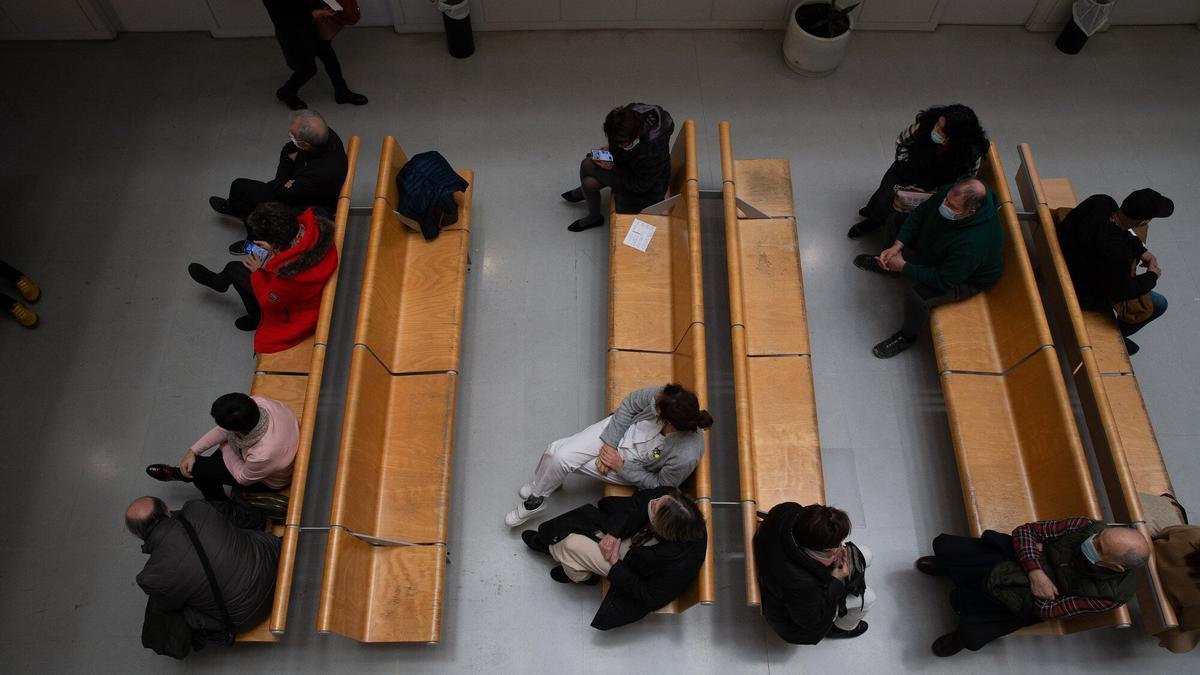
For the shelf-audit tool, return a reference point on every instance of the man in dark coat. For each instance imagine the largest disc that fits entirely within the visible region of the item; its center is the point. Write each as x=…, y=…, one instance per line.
x=650, y=545
x=312, y=167
x=305, y=30
x=1101, y=251
x=802, y=573
x=243, y=562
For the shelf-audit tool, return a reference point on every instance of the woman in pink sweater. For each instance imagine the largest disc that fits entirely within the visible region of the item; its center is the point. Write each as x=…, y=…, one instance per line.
x=256, y=441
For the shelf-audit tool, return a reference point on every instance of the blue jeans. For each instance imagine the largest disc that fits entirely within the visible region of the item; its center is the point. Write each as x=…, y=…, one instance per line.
x=1159, y=301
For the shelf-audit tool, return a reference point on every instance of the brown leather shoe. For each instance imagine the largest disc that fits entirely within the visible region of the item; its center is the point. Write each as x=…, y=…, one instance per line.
x=928, y=564
x=166, y=473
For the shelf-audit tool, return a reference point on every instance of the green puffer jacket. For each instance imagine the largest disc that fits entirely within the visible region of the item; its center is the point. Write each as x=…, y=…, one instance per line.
x=952, y=252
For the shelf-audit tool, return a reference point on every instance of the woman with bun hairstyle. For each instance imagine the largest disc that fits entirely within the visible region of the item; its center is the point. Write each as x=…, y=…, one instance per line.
x=654, y=439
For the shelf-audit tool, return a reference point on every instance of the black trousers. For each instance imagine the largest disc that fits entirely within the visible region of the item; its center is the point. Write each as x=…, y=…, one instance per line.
x=239, y=277
x=921, y=298
x=968, y=562
x=210, y=476
x=246, y=193
x=879, y=207
x=9, y=274
x=300, y=49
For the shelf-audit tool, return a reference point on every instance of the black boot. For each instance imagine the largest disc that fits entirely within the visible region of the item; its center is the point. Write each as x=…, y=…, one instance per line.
x=290, y=99
x=574, y=196
x=586, y=223
x=892, y=346
x=947, y=645
x=835, y=632
x=206, y=277
x=862, y=228
x=344, y=95
x=531, y=539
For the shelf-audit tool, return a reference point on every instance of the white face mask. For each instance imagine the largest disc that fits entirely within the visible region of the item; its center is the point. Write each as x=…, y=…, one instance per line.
x=946, y=212
x=631, y=145
x=937, y=138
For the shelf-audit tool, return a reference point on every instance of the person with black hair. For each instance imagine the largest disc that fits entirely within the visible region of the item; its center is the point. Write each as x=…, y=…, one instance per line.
x=806, y=574
x=243, y=564
x=944, y=144
x=255, y=439
x=650, y=546
x=281, y=291
x=639, y=138
x=654, y=439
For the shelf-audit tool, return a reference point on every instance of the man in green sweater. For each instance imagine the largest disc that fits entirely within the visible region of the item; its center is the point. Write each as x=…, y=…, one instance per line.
x=951, y=246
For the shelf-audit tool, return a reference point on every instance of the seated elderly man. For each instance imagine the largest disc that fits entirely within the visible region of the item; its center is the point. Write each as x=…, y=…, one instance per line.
x=1047, y=570
x=951, y=247
x=312, y=168
x=182, y=611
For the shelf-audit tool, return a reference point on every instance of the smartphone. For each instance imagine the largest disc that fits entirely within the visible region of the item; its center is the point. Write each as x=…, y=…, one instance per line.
x=601, y=155
x=251, y=248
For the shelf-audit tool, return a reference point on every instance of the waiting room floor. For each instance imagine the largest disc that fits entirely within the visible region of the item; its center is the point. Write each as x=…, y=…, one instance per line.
x=113, y=149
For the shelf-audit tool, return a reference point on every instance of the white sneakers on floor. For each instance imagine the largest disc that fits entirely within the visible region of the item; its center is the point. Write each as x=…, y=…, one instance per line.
x=521, y=514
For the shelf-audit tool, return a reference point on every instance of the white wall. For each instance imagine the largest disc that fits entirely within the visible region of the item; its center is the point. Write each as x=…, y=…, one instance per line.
x=64, y=19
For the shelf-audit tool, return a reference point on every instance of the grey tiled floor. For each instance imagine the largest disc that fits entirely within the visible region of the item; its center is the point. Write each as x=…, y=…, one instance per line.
x=112, y=148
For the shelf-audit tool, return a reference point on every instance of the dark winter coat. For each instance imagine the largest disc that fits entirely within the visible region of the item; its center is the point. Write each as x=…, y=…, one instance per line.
x=641, y=175
x=318, y=174
x=1100, y=255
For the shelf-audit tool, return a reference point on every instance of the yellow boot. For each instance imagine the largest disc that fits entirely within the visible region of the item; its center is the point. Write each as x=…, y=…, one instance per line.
x=29, y=290
x=24, y=316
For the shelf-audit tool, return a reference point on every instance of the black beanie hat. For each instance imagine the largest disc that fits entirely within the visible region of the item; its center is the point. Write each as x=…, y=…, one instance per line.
x=1145, y=204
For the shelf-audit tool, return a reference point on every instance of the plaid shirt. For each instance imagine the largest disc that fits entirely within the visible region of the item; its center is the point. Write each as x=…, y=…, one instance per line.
x=1027, y=544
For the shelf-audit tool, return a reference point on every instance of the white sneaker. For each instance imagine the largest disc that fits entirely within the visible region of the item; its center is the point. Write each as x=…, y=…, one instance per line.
x=521, y=514
x=525, y=492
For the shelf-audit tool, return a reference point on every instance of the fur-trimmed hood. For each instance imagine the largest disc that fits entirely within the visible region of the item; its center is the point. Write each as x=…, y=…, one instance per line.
x=316, y=239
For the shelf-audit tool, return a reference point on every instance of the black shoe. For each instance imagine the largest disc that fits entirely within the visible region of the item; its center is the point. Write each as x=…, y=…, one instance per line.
x=290, y=99
x=206, y=277
x=574, y=196
x=166, y=473
x=246, y=323
x=862, y=228
x=238, y=247
x=863, y=212
x=892, y=346
x=585, y=224
x=347, y=96
x=866, y=262
x=835, y=632
x=220, y=205
x=530, y=537
x=947, y=645
x=928, y=564
x=1131, y=346
x=560, y=575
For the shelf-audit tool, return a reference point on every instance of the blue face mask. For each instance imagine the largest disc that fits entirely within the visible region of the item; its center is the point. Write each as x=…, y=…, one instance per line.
x=946, y=212
x=1088, y=548
x=937, y=138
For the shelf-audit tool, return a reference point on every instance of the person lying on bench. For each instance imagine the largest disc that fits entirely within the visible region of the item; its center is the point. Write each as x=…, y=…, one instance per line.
x=943, y=145
x=639, y=140
x=182, y=613
x=255, y=440
x=1101, y=255
x=650, y=546
x=655, y=438
x=812, y=586
x=1047, y=570
x=951, y=247
x=280, y=282
x=312, y=168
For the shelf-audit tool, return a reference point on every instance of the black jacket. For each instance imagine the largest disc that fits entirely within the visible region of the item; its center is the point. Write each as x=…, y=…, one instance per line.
x=643, y=173
x=648, y=577
x=318, y=174
x=799, y=596
x=243, y=563
x=1100, y=255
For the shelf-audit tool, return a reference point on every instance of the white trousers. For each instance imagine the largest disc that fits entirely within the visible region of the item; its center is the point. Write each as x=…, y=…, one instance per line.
x=857, y=606
x=568, y=455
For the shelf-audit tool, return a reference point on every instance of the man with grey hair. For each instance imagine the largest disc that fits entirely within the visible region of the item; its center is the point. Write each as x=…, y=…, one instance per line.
x=951, y=247
x=312, y=168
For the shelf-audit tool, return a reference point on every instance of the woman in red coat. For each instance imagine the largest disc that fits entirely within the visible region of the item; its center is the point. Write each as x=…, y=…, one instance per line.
x=281, y=291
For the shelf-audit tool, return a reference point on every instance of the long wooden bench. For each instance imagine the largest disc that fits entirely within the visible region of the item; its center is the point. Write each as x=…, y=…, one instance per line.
x=779, y=449
x=293, y=376
x=656, y=323
x=386, y=553
x=1113, y=408
x=1020, y=457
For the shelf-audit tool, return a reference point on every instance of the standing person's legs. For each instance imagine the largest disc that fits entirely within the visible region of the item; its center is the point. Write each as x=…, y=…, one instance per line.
x=566, y=456
x=1159, y=301
x=210, y=475
x=592, y=179
x=299, y=51
x=333, y=68
x=580, y=557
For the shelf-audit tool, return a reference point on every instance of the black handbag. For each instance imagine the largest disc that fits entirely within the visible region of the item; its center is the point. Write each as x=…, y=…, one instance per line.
x=856, y=581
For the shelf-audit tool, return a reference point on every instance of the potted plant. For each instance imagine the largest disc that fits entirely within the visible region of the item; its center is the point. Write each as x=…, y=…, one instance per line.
x=818, y=33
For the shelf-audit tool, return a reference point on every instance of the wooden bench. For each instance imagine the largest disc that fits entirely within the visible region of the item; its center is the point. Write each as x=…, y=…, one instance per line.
x=779, y=449
x=1020, y=457
x=293, y=376
x=656, y=323
x=1113, y=408
x=386, y=553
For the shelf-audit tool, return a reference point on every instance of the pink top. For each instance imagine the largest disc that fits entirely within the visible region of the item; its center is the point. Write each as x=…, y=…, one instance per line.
x=269, y=461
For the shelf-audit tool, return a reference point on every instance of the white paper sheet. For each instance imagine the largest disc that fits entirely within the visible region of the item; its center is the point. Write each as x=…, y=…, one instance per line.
x=639, y=235
x=334, y=5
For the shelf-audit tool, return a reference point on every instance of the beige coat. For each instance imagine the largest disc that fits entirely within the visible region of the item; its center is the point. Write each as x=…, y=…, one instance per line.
x=1181, y=583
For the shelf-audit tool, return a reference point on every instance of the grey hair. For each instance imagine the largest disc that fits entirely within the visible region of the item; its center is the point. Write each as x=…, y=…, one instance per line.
x=973, y=191
x=678, y=519
x=1130, y=559
x=313, y=129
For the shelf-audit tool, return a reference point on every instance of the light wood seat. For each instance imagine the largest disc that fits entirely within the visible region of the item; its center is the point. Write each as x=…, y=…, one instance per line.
x=1114, y=411
x=779, y=451
x=385, y=556
x=656, y=324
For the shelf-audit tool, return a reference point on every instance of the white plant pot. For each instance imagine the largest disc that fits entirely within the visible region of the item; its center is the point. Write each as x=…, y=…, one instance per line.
x=808, y=54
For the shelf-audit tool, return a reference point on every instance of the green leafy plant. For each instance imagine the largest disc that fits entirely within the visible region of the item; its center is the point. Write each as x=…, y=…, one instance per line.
x=824, y=19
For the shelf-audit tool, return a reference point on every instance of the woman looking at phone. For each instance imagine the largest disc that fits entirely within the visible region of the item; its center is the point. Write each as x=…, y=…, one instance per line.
x=288, y=260
x=639, y=142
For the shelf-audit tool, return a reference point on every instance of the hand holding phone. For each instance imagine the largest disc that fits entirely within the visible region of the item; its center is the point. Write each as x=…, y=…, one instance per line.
x=251, y=248
x=601, y=155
